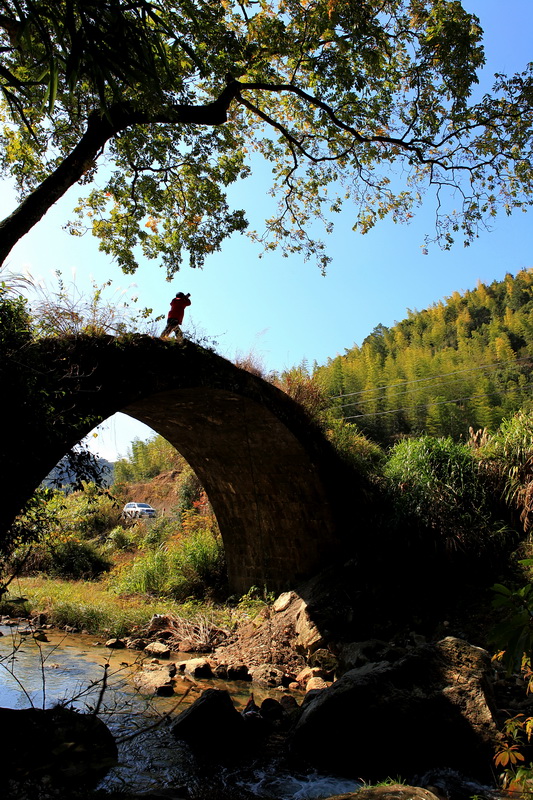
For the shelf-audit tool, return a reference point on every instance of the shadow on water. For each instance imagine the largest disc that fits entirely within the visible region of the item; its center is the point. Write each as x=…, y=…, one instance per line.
x=70, y=668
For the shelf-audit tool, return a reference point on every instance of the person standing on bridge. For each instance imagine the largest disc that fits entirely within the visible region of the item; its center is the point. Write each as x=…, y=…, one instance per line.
x=178, y=305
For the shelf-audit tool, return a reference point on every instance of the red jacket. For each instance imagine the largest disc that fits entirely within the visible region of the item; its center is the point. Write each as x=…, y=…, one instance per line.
x=177, y=308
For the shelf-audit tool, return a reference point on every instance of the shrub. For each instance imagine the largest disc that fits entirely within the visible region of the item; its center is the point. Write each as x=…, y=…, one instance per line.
x=439, y=495
x=159, y=532
x=305, y=389
x=189, y=490
x=15, y=322
x=120, y=539
x=69, y=558
x=202, y=564
x=507, y=458
x=366, y=456
x=90, y=513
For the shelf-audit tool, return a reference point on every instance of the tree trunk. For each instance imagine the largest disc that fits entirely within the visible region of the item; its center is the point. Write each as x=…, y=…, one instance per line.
x=100, y=129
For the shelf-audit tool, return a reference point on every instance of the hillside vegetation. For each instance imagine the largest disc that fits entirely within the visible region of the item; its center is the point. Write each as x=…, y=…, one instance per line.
x=439, y=505
x=463, y=363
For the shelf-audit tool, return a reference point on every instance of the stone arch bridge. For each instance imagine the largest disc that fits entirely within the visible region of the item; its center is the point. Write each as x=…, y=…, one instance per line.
x=272, y=478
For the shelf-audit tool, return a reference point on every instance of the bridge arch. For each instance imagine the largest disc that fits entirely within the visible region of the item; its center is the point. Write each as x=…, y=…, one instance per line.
x=271, y=476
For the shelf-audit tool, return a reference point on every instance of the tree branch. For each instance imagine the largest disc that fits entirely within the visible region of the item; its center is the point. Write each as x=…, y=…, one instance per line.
x=100, y=129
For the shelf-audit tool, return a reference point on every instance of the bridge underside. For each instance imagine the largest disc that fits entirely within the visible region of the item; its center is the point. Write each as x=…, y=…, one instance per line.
x=271, y=476
x=268, y=498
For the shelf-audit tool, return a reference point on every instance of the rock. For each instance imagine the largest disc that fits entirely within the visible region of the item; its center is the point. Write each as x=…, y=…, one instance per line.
x=291, y=709
x=196, y=667
x=428, y=710
x=158, y=650
x=115, y=644
x=283, y=601
x=221, y=671
x=309, y=697
x=165, y=689
x=316, y=683
x=238, y=672
x=39, y=619
x=266, y=675
x=307, y=673
x=57, y=746
x=213, y=727
x=185, y=647
x=324, y=660
x=272, y=710
x=40, y=636
x=136, y=644
x=357, y=654
x=393, y=791
x=308, y=636
x=154, y=679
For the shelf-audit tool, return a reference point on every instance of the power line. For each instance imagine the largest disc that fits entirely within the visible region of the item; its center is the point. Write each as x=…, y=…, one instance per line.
x=383, y=396
x=434, y=377
x=426, y=405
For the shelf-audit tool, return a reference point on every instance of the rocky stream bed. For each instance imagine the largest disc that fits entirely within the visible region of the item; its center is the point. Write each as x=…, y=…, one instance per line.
x=359, y=712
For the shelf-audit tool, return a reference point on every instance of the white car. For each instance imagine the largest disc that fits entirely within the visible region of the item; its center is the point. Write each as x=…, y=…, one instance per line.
x=132, y=510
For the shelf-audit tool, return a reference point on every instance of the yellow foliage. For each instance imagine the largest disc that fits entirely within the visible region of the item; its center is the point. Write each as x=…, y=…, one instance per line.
x=510, y=755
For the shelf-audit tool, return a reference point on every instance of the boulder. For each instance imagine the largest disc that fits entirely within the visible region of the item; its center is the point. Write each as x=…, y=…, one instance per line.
x=115, y=644
x=308, y=636
x=305, y=675
x=430, y=709
x=154, y=679
x=238, y=672
x=213, y=728
x=57, y=746
x=158, y=650
x=316, y=683
x=325, y=660
x=394, y=791
x=136, y=644
x=267, y=675
x=196, y=667
x=356, y=654
x=283, y=602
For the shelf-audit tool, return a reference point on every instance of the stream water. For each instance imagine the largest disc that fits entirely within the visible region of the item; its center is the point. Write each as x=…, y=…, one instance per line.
x=70, y=667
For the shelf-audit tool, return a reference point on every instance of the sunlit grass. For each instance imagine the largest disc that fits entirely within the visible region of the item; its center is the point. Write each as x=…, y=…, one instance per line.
x=92, y=607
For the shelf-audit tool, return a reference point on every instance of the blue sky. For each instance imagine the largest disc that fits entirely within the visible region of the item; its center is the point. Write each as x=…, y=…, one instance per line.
x=284, y=310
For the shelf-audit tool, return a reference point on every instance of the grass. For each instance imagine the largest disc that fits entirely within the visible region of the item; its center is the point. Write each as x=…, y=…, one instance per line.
x=91, y=606
x=194, y=568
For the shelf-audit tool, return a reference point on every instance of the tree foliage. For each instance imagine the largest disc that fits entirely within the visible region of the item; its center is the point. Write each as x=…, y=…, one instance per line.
x=339, y=96
x=463, y=363
x=147, y=459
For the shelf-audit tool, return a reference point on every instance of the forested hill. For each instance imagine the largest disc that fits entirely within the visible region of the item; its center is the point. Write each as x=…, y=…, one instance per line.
x=465, y=362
